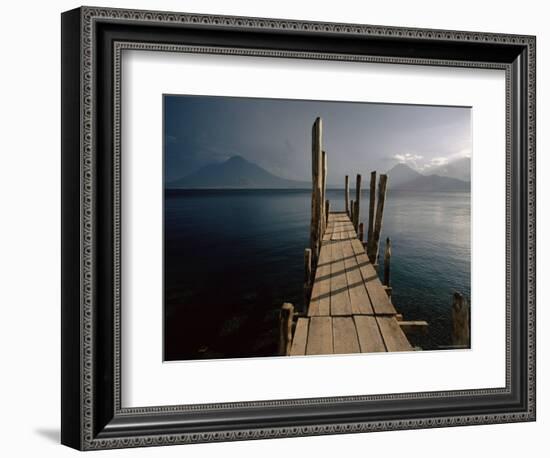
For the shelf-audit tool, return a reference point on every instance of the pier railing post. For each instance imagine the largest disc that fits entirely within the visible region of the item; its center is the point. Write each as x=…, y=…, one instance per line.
x=357, y=202
x=285, y=329
x=324, y=167
x=374, y=246
x=372, y=201
x=307, y=277
x=361, y=232
x=387, y=261
x=346, y=195
x=327, y=211
x=316, y=195
x=461, y=321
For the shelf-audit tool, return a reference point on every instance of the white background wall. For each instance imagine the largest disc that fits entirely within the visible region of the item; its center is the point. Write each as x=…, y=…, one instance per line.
x=30, y=215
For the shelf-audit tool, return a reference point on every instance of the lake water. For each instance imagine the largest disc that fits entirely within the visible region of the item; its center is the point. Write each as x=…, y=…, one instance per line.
x=232, y=257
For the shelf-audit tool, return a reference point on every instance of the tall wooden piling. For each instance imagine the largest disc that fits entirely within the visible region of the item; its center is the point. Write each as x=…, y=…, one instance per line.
x=324, y=167
x=357, y=202
x=351, y=209
x=372, y=200
x=285, y=329
x=316, y=194
x=327, y=211
x=346, y=195
x=461, y=321
x=387, y=261
x=374, y=246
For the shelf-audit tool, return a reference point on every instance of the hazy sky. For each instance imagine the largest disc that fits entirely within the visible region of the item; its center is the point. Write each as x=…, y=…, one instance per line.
x=276, y=135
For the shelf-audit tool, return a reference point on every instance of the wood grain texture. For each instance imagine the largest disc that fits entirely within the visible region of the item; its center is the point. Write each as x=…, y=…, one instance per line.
x=319, y=340
x=299, y=341
x=368, y=332
x=394, y=337
x=345, y=335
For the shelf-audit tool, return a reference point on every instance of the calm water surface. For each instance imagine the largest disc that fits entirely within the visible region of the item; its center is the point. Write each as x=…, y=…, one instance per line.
x=233, y=257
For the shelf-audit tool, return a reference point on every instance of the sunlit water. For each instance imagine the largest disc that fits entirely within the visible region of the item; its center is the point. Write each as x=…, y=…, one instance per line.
x=233, y=257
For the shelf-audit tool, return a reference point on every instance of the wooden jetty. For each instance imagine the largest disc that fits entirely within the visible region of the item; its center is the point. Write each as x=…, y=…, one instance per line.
x=348, y=309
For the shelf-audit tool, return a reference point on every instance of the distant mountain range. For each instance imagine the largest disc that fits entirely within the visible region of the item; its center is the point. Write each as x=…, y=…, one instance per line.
x=237, y=173
x=403, y=178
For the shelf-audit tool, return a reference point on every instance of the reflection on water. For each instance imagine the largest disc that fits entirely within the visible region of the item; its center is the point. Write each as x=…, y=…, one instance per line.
x=233, y=257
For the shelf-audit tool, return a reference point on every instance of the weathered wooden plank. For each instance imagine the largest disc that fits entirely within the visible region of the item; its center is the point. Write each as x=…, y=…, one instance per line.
x=299, y=340
x=320, y=293
x=377, y=294
x=359, y=298
x=413, y=327
x=319, y=338
x=339, y=296
x=345, y=335
x=370, y=339
x=394, y=337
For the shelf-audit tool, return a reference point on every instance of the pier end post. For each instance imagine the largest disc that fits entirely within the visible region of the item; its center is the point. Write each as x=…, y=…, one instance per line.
x=461, y=321
x=285, y=330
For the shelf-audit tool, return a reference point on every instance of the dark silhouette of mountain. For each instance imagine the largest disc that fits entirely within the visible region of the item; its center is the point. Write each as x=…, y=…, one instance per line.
x=403, y=178
x=234, y=173
x=401, y=174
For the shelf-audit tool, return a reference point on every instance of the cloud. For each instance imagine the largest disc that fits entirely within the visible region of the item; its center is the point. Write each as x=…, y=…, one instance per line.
x=435, y=162
x=408, y=158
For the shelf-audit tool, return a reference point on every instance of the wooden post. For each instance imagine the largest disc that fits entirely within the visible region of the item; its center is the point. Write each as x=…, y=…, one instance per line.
x=346, y=196
x=316, y=202
x=387, y=260
x=285, y=329
x=361, y=233
x=351, y=207
x=327, y=211
x=372, y=200
x=323, y=191
x=357, y=201
x=307, y=278
x=461, y=321
x=374, y=246
x=355, y=216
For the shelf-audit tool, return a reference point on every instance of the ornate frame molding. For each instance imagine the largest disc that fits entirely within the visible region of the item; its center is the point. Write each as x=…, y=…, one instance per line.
x=89, y=433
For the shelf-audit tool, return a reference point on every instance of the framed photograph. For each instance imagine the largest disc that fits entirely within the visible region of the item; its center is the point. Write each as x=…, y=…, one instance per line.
x=279, y=228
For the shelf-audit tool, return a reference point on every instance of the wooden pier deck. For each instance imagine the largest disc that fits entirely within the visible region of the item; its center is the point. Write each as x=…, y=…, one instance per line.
x=349, y=310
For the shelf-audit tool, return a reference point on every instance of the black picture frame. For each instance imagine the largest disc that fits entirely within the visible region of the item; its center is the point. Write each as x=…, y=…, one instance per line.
x=92, y=416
